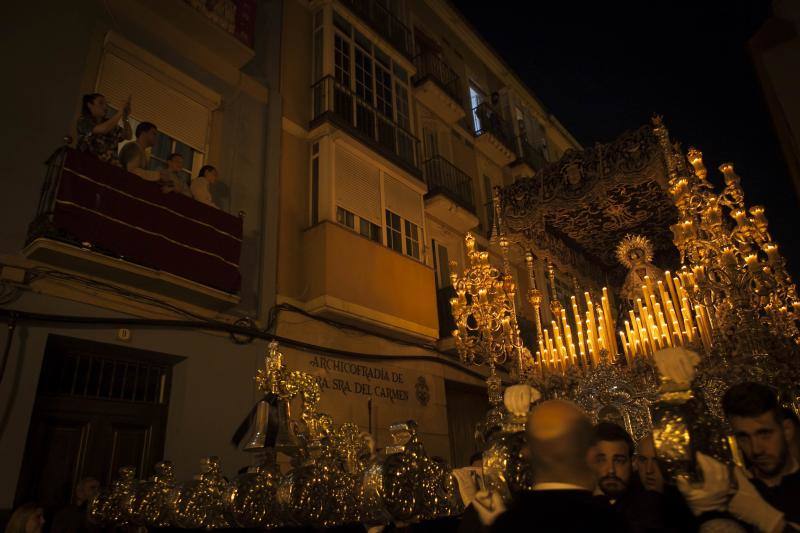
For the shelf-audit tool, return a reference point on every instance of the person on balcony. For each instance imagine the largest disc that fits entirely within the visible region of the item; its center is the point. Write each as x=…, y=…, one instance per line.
x=201, y=185
x=175, y=181
x=98, y=134
x=134, y=157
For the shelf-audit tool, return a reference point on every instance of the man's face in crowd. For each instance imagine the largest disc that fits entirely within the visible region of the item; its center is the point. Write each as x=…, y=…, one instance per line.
x=149, y=137
x=612, y=463
x=647, y=466
x=86, y=490
x=764, y=442
x=175, y=164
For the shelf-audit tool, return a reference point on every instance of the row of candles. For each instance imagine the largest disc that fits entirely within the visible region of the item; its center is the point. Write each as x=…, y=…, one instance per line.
x=663, y=317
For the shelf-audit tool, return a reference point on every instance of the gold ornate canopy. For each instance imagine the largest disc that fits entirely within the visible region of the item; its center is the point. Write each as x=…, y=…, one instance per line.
x=590, y=199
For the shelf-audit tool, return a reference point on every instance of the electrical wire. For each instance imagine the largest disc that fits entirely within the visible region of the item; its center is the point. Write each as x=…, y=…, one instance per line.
x=16, y=317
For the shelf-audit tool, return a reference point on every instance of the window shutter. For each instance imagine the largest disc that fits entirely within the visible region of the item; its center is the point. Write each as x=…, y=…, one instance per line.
x=358, y=186
x=403, y=200
x=173, y=112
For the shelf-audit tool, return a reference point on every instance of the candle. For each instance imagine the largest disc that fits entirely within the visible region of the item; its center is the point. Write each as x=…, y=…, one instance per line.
x=625, y=348
x=771, y=249
x=752, y=262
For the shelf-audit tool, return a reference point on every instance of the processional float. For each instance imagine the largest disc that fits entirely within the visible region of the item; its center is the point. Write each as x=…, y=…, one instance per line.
x=730, y=305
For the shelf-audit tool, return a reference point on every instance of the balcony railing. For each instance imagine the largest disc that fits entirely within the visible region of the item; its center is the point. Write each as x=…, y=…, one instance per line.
x=446, y=321
x=488, y=120
x=384, y=22
x=430, y=66
x=91, y=204
x=237, y=17
x=442, y=177
x=530, y=155
x=336, y=102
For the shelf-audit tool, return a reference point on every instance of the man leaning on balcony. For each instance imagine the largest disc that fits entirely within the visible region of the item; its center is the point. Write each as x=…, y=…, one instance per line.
x=133, y=156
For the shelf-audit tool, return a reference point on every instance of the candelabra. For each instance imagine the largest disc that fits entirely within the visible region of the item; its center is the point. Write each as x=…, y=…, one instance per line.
x=734, y=265
x=486, y=322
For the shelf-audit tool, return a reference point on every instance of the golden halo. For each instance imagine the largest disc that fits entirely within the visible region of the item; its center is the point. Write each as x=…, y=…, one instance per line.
x=634, y=243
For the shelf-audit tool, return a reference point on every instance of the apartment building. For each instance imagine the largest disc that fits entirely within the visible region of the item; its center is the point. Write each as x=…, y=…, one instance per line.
x=81, y=399
x=357, y=142
x=398, y=122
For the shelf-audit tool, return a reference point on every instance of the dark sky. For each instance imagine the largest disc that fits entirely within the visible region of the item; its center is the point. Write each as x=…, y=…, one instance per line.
x=604, y=67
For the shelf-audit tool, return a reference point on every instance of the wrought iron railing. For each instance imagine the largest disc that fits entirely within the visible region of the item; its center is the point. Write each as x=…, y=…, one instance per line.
x=445, y=178
x=528, y=154
x=488, y=120
x=446, y=321
x=384, y=22
x=336, y=102
x=432, y=67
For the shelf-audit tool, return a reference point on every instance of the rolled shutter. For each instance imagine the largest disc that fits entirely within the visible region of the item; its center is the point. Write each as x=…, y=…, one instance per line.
x=173, y=112
x=358, y=187
x=403, y=200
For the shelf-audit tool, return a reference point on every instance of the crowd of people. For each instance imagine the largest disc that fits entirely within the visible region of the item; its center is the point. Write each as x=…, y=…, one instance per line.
x=100, y=135
x=595, y=478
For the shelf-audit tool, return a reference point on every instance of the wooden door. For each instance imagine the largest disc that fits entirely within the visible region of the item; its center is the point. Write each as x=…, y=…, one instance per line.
x=98, y=407
x=467, y=405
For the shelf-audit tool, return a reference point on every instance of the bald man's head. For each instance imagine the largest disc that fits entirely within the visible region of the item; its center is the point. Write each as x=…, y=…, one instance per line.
x=559, y=440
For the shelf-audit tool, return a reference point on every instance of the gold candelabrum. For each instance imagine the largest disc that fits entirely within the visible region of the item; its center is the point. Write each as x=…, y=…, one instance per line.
x=485, y=317
x=733, y=265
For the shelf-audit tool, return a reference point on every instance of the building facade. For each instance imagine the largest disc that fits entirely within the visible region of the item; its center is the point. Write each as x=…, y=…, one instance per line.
x=81, y=399
x=357, y=143
x=398, y=123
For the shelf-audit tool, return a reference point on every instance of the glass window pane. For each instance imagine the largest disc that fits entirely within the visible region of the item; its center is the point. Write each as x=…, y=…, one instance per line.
x=187, y=153
x=341, y=23
x=163, y=147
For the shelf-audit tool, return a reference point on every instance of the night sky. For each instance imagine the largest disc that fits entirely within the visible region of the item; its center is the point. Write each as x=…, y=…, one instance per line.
x=605, y=67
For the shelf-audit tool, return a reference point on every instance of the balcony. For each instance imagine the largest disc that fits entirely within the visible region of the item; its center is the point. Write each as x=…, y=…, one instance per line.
x=493, y=135
x=450, y=197
x=97, y=220
x=237, y=17
x=529, y=159
x=384, y=22
x=438, y=87
x=353, y=279
x=338, y=104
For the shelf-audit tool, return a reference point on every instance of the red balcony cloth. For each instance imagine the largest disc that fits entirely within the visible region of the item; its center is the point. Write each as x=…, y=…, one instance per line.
x=119, y=213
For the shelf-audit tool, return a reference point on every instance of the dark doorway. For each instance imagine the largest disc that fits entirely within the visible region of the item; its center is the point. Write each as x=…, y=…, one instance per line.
x=467, y=405
x=98, y=407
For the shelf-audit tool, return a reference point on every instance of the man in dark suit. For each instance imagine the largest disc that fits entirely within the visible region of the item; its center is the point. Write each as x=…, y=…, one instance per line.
x=559, y=441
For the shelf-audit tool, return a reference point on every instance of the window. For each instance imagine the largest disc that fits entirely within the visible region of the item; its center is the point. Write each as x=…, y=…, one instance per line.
x=402, y=235
x=378, y=82
x=341, y=55
x=166, y=146
x=314, y=183
x=475, y=99
x=394, y=237
x=360, y=225
x=345, y=218
x=412, y=239
x=441, y=264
